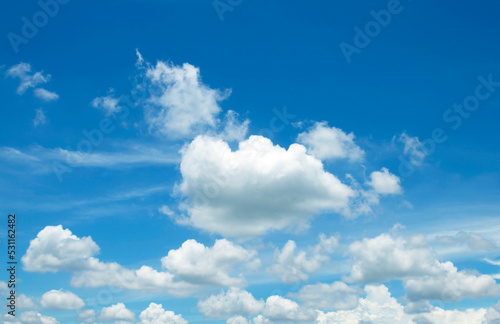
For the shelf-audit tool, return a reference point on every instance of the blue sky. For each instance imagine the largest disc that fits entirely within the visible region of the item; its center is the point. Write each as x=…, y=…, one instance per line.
x=230, y=161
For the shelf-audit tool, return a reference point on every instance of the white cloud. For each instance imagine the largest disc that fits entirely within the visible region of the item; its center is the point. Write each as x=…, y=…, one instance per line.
x=468, y=316
x=258, y=188
x=386, y=258
x=232, y=302
x=25, y=302
x=195, y=263
x=40, y=118
x=237, y=320
x=292, y=267
x=44, y=158
x=45, y=94
x=33, y=317
x=58, y=299
x=385, y=183
x=380, y=307
x=56, y=249
x=100, y=274
x=493, y=314
x=27, y=79
x=180, y=105
x=140, y=59
x=87, y=315
x=260, y=320
x=336, y=295
x=189, y=268
x=473, y=240
x=330, y=143
x=413, y=148
x=451, y=285
x=234, y=130
x=377, y=307
x=183, y=282
x=109, y=104
x=281, y=309
x=117, y=312
x=155, y=314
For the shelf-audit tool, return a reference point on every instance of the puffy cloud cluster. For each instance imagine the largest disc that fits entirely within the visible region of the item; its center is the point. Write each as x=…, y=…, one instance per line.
x=380, y=307
x=258, y=188
x=180, y=105
x=193, y=262
x=388, y=257
x=188, y=268
x=55, y=248
x=233, y=301
x=236, y=303
x=336, y=295
x=377, y=307
x=117, y=312
x=58, y=299
x=330, y=143
x=155, y=314
x=292, y=267
x=383, y=258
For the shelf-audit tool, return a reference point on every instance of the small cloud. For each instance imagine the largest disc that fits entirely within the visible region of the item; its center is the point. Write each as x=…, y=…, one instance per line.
x=330, y=143
x=45, y=94
x=109, y=104
x=40, y=118
x=180, y=105
x=413, y=148
x=385, y=183
x=117, y=312
x=140, y=59
x=27, y=79
x=234, y=129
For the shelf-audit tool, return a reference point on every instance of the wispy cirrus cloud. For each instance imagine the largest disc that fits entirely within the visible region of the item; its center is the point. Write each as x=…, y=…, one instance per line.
x=133, y=156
